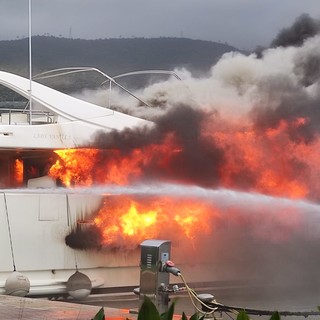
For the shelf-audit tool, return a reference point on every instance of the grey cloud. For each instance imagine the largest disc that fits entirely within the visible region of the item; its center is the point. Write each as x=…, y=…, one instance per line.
x=242, y=23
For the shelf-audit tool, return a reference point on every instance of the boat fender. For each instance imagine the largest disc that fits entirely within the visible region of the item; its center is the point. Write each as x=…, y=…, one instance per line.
x=79, y=286
x=17, y=284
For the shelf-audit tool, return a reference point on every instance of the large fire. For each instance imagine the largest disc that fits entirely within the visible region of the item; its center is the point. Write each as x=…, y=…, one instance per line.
x=127, y=221
x=255, y=129
x=266, y=162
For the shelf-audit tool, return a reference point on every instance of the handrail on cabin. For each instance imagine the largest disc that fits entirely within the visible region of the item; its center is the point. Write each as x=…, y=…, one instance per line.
x=7, y=116
x=72, y=70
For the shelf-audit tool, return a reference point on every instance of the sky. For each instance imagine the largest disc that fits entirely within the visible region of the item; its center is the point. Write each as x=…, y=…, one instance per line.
x=244, y=24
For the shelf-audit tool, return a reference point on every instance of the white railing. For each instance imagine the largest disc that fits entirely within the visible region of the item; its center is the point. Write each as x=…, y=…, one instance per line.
x=111, y=80
x=22, y=116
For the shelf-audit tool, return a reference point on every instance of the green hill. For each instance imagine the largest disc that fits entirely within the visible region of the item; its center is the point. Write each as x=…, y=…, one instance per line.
x=113, y=56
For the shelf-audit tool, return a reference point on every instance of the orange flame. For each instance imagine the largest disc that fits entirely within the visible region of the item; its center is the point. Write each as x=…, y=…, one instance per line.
x=265, y=162
x=74, y=167
x=84, y=167
x=124, y=220
x=18, y=172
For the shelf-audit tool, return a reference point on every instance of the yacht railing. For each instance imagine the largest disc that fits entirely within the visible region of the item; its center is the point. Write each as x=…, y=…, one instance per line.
x=111, y=80
x=71, y=70
x=14, y=116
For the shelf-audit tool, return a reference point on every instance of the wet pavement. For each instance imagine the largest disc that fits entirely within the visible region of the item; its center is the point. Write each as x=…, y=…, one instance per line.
x=292, y=298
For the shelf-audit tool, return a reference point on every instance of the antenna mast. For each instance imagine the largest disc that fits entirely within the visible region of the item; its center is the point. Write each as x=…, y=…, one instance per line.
x=30, y=65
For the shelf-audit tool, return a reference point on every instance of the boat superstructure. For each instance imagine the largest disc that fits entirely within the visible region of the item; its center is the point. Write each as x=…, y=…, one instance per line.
x=57, y=120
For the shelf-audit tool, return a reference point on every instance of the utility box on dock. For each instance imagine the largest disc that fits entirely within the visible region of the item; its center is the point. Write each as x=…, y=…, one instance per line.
x=153, y=279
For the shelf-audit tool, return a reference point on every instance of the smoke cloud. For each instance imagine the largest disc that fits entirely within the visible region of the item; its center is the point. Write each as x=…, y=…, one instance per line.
x=277, y=92
x=282, y=84
x=268, y=103
x=197, y=159
x=303, y=28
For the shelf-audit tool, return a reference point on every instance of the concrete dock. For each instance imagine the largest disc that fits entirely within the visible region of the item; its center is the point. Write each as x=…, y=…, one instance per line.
x=41, y=309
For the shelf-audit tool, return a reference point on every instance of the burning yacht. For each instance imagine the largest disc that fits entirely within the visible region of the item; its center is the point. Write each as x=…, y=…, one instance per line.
x=36, y=215
x=246, y=160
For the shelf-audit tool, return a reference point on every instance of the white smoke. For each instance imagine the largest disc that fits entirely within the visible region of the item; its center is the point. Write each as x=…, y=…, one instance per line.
x=235, y=84
x=272, y=244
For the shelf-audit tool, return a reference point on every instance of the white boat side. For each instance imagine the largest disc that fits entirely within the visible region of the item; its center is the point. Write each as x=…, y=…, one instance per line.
x=39, y=221
x=66, y=122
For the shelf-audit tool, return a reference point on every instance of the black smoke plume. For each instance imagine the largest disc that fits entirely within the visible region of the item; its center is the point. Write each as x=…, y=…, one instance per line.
x=197, y=159
x=294, y=104
x=84, y=239
x=303, y=28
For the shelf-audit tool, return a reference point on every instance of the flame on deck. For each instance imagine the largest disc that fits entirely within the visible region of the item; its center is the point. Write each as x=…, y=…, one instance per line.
x=232, y=156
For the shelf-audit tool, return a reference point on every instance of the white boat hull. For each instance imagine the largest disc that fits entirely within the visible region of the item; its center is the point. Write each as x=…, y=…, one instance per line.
x=38, y=223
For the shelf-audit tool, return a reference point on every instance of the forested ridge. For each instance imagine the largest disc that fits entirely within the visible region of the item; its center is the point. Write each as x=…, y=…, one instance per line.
x=113, y=56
